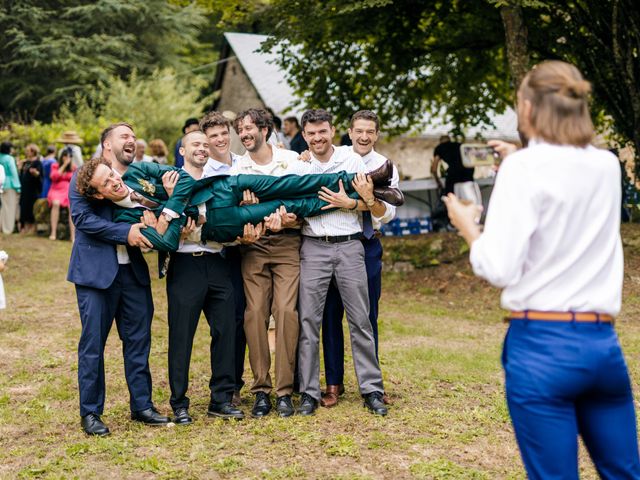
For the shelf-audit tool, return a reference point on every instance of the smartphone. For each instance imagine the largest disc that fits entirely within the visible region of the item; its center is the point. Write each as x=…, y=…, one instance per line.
x=477, y=155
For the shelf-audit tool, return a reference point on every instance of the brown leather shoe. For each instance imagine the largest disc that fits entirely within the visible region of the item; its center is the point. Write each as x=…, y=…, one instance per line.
x=330, y=396
x=392, y=196
x=236, y=401
x=381, y=176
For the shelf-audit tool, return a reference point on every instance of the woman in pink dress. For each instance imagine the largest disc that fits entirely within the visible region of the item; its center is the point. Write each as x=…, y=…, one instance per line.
x=58, y=196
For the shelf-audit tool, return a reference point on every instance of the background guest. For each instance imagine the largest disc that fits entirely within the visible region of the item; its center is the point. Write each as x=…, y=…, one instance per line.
x=10, y=188
x=31, y=181
x=58, y=195
x=141, y=148
x=291, y=129
x=159, y=151
x=73, y=141
x=190, y=125
x=48, y=160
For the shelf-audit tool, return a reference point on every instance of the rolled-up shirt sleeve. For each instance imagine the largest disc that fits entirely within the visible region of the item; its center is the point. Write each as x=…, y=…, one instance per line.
x=499, y=254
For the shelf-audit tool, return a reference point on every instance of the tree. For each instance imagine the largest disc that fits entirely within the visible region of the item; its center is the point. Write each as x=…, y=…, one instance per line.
x=53, y=50
x=407, y=60
x=602, y=37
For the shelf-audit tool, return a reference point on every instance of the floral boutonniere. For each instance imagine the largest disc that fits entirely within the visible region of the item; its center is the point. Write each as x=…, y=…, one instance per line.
x=147, y=187
x=283, y=164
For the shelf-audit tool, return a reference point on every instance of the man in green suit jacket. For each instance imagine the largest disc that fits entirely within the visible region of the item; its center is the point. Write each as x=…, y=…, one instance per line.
x=145, y=186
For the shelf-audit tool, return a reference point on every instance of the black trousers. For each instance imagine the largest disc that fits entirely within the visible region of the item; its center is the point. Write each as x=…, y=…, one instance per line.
x=234, y=257
x=197, y=284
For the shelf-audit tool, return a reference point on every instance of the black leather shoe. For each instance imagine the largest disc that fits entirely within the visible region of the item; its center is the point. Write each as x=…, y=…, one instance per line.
x=381, y=176
x=261, y=405
x=224, y=410
x=181, y=416
x=92, y=425
x=284, y=407
x=373, y=401
x=308, y=405
x=393, y=196
x=150, y=416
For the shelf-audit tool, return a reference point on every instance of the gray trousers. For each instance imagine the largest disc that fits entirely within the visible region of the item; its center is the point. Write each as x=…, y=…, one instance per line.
x=319, y=261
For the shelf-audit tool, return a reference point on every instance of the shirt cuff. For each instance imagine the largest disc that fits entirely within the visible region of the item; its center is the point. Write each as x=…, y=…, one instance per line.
x=170, y=213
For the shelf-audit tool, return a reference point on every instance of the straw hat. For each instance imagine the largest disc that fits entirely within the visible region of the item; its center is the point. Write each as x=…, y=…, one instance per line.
x=70, y=138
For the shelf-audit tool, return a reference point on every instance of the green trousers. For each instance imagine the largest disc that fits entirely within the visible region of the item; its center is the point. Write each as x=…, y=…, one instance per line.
x=226, y=219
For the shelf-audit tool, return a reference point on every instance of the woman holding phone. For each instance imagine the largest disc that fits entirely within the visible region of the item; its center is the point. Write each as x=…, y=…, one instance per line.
x=58, y=196
x=551, y=241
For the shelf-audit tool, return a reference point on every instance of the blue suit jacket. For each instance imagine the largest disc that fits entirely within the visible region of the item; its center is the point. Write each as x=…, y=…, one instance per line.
x=94, y=262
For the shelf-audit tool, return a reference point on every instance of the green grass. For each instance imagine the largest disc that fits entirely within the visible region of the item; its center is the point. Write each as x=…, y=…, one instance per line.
x=440, y=345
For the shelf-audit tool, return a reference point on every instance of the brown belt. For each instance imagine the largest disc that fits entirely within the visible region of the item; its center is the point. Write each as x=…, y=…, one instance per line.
x=588, y=317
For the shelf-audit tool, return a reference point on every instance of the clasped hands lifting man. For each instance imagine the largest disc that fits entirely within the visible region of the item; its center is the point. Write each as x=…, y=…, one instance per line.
x=197, y=209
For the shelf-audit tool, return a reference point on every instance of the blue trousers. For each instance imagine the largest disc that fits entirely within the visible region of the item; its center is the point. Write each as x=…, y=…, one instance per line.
x=565, y=379
x=131, y=304
x=332, y=336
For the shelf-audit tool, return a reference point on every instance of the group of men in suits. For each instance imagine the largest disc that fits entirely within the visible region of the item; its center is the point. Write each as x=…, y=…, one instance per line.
x=302, y=271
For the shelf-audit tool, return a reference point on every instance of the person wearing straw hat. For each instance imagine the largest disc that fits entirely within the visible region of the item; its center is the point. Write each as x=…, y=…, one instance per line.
x=72, y=141
x=553, y=244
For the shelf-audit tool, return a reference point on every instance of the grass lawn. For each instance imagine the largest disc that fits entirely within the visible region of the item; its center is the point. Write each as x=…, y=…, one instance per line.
x=440, y=342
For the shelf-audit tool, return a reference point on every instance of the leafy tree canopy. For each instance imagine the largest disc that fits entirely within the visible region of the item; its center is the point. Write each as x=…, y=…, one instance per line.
x=404, y=59
x=54, y=50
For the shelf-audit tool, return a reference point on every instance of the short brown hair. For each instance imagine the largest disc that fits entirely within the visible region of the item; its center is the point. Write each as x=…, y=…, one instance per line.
x=214, y=119
x=559, y=97
x=259, y=116
x=317, y=115
x=365, y=115
x=107, y=131
x=86, y=173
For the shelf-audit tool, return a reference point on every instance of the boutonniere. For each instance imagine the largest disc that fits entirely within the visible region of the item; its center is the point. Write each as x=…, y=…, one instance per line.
x=147, y=187
x=283, y=164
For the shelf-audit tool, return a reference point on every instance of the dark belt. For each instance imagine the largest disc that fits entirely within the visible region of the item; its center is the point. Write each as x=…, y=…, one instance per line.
x=284, y=231
x=196, y=254
x=583, y=317
x=338, y=238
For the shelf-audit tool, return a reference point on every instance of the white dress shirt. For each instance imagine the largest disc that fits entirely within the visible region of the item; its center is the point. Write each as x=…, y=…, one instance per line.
x=375, y=160
x=552, y=233
x=341, y=221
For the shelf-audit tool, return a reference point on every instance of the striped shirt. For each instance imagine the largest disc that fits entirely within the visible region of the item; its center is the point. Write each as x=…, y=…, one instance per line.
x=341, y=221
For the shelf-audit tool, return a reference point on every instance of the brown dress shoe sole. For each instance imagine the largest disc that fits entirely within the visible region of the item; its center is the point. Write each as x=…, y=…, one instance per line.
x=329, y=400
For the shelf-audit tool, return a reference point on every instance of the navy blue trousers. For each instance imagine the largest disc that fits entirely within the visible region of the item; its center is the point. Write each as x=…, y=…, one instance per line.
x=131, y=304
x=565, y=379
x=332, y=335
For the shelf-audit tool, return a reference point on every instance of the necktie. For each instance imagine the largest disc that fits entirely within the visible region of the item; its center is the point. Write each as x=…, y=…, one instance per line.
x=136, y=197
x=367, y=225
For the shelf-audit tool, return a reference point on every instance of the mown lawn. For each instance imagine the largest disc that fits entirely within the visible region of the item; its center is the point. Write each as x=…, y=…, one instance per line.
x=440, y=334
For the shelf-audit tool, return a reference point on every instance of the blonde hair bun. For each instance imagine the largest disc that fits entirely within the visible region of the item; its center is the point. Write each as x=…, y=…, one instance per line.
x=577, y=89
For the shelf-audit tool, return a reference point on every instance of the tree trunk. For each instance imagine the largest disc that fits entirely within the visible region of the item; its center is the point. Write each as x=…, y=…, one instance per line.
x=624, y=58
x=516, y=40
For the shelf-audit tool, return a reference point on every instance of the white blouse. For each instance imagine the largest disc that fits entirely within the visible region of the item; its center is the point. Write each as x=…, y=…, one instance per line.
x=552, y=232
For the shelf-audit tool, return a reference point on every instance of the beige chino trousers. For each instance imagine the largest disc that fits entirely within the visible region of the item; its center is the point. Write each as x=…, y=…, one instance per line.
x=271, y=273
x=8, y=211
